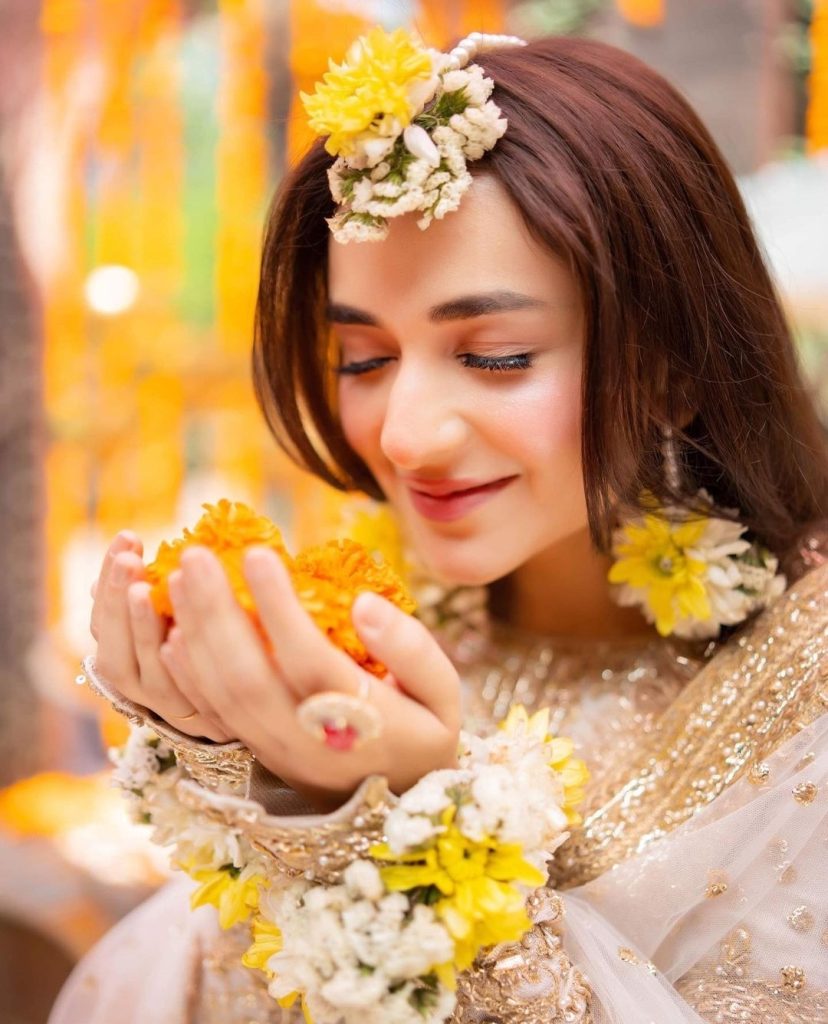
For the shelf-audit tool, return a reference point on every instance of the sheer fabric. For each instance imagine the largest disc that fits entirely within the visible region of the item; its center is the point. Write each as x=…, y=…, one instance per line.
x=728, y=913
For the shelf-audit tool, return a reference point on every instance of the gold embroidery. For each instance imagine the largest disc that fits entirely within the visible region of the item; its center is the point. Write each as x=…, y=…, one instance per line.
x=717, y=883
x=528, y=982
x=800, y=919
x=793, y=978
x=788, y=874
x=726, y=991
x=752, y=695
x=715, y=889
x=214, y=765
x=805, y=793
x=629, y=956
x=317, y=846
x=758, y=773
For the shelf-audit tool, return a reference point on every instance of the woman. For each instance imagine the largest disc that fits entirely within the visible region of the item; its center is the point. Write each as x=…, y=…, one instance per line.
x=584, y=334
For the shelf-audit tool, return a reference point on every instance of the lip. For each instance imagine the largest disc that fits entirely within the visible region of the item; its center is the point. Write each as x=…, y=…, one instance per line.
x=446, y=500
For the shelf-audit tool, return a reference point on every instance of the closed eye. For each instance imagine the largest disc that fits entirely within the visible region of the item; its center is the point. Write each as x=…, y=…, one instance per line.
x=363, y=366
x=521, y=361
x=495, y=364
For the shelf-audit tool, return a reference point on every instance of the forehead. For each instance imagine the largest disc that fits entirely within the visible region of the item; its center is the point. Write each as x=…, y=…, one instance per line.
x=483, y=246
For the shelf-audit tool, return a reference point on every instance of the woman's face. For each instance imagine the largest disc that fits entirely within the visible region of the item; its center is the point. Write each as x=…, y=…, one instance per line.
x=460, y=351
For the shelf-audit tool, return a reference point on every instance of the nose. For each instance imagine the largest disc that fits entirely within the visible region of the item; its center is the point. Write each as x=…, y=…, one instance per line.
x=424, y=427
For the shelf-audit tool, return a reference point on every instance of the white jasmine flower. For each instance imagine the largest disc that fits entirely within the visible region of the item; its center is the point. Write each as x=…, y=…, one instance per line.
x=456, y=79
x=422, y=91
x=419, y=142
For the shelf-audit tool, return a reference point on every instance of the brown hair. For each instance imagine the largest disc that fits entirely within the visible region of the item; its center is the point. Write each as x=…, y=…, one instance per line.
x=614, y=172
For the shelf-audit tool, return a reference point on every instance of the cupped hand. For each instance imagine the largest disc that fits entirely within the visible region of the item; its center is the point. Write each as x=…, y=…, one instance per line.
x=222, y=665
x=129, y=634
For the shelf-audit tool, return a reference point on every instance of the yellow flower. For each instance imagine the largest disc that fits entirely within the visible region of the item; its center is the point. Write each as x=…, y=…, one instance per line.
x=379, y=532
x=572, y=770
x=267, y=942
x=479, y=905
x=655, y=558
x=235, y=897
x=372, y=89
x=287, y=1001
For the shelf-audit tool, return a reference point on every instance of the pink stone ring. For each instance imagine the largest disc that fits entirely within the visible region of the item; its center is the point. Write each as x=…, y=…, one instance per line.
x=339, y=720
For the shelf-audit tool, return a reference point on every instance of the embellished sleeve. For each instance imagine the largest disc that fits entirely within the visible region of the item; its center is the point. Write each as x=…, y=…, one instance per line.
x=213, y=765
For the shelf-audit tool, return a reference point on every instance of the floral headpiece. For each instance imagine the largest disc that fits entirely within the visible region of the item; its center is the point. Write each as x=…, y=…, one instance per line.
x=403, y=120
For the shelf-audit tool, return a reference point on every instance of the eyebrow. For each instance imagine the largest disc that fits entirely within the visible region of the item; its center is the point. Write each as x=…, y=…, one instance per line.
x=463, y=308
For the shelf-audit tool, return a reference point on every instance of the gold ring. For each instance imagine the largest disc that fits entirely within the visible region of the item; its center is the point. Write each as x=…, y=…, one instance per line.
x=184, y=718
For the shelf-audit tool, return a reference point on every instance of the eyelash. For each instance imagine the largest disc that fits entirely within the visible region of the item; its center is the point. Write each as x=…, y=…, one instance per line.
x=494, y=364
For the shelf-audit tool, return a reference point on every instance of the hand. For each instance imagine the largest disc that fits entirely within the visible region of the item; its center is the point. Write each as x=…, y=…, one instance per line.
x=219, y=661
x=129, y=633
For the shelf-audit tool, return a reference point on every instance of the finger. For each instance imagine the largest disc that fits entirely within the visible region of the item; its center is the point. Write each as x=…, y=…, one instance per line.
x=411, y=653
x=116, y=654
x=232, y=670
x=174, y=655
x=307, y=659
x=160, y=691
x=124, y=541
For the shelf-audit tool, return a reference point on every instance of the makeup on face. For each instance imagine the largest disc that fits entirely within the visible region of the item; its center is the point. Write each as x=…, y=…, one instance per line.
x=459, y=365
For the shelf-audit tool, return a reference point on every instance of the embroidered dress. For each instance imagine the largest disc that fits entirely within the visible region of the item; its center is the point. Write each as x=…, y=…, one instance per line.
x=695, y=889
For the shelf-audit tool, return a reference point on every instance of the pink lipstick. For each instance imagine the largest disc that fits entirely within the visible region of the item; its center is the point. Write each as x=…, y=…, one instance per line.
x=446, y=500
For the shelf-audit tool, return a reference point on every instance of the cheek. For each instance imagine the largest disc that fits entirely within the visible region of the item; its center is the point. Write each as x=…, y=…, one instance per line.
x=541, y=428
x=361, y=417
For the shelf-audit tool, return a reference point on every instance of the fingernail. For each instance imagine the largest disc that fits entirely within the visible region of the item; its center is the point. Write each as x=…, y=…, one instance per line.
x=372, y=610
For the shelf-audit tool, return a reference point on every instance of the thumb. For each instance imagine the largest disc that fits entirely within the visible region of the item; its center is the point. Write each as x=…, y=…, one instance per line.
x=402, y=643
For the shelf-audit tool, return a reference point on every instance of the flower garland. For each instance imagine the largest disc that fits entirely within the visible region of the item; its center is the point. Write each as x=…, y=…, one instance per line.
x=463, y=849
x=402, y=121
x=229, y=869
x=691, y=574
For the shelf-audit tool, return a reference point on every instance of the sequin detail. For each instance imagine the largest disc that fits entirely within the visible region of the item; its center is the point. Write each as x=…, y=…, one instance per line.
x=727, y=991
x=805, y=793
x=757, y=691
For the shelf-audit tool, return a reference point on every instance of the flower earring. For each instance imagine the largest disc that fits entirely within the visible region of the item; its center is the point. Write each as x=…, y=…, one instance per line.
x=689, y=572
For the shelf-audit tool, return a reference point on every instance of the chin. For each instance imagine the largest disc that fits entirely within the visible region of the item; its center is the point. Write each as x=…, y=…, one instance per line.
x=463, y=565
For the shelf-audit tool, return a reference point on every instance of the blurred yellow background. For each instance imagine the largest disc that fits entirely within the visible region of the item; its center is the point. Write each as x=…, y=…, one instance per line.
x=140, y=143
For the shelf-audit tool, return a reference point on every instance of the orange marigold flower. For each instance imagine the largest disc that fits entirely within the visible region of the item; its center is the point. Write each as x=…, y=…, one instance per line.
x=228, y=529
x=327, y=578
